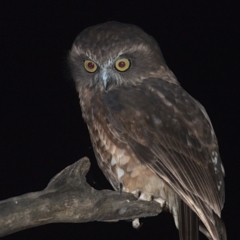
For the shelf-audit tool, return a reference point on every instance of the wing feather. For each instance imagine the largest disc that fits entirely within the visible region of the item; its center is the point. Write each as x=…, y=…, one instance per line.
x=171, y=133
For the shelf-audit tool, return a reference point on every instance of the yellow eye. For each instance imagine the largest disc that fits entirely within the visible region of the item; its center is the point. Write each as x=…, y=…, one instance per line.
x=122, y=65
x=90, y=66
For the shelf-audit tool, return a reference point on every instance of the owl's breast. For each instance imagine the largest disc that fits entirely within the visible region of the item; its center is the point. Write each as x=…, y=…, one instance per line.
x=122, y=168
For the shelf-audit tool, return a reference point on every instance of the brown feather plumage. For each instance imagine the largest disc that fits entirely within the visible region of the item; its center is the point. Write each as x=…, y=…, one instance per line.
x=148, y=133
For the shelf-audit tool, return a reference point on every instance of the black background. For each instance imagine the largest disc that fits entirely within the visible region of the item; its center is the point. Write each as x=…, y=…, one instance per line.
x=42, y=130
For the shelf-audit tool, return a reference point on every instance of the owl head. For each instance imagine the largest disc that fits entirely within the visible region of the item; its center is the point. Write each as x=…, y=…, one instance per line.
x=112, y=54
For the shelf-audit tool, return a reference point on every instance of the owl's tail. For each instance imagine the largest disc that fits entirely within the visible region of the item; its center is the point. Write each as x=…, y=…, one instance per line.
x=219, y=225
x=188, y=223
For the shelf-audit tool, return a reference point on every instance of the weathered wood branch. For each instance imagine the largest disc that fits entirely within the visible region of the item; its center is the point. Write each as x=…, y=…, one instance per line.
x=68, y=198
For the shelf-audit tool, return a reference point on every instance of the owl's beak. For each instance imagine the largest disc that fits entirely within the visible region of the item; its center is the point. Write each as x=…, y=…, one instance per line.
x=105, y=78
x=105, y=84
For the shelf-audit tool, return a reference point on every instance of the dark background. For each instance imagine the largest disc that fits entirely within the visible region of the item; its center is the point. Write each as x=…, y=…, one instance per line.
x=42, y=130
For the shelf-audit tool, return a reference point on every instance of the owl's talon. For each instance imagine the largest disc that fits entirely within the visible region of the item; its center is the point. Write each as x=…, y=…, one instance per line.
x=120, y=188
x=165, y=207
x=138, y=194
x=146, y=197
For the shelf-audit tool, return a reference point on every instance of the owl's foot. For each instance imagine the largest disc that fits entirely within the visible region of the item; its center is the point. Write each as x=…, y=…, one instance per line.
x=137, y=194
x=162, y=203
x=146, y=197
x=141, y=196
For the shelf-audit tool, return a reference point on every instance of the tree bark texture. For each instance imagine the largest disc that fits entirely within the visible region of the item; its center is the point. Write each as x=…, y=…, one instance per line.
x=69, y=198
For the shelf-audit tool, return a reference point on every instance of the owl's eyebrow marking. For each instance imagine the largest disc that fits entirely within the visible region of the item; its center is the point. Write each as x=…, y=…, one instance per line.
x=91, y=56
x=108, y=63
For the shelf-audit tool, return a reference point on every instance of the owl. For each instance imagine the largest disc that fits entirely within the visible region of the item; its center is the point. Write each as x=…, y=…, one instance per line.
x=150, y=137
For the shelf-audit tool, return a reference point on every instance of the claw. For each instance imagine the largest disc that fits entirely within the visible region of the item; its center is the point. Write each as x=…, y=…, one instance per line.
x=137, y=193
x=146, y=197
x=120, y=188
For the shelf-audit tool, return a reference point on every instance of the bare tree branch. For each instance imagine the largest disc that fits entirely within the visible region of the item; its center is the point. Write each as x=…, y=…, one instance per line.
x=68, y=198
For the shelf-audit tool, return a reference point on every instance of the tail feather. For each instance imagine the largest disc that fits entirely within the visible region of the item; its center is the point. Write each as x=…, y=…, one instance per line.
x=221, y=227
x=218, y=224
x=188, y=223
x=204, y=230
